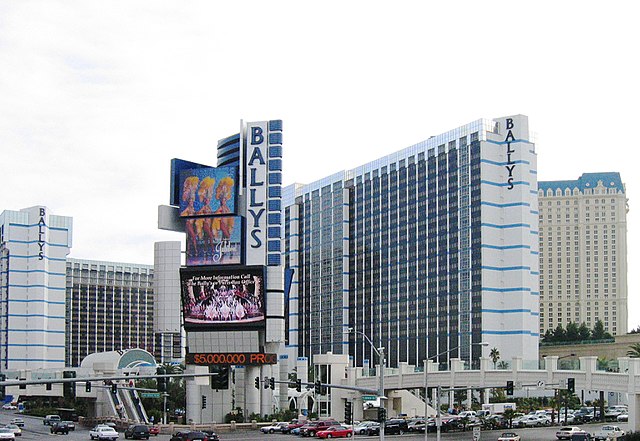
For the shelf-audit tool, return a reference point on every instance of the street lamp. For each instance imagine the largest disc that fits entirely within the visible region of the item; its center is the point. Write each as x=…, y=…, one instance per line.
x=380, y=352
x=555, y=392
x=426, y=393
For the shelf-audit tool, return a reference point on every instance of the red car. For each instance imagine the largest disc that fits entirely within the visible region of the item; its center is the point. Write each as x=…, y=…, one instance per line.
x=154, y=430
x=335, y=432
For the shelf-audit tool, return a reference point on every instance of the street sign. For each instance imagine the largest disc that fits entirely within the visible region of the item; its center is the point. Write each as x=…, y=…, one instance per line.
x=541, y=384
x=562, y=384
x=518, y=385
x=369, y=398
x=149, y=394
x=476, y=433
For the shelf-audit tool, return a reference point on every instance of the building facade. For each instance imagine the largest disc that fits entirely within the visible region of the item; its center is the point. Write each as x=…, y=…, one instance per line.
x=428, y=252
x=583, y=252
x=34, y=245
x=109, y=306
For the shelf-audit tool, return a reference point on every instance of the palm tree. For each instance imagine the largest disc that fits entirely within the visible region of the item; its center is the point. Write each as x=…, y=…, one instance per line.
x=634, y=352
x=494, y=355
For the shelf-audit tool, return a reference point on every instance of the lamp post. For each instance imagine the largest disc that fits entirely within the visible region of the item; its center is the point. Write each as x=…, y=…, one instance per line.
x=555, y=392
x=380, y=352
x=426, y=393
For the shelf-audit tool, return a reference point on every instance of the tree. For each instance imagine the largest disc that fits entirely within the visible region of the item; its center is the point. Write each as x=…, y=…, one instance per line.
x=508, y=415
x=635, y=331
x=598, y=332
x=503, y=365
x=583, y=332
x=572, y=332
x=634, y=352
x=548, y=336
x=494, y=355
x=559, y=334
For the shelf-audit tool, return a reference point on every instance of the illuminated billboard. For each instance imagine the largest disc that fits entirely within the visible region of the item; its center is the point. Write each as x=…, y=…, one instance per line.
x=214, y=240
x=219, y=297
x=208, y=191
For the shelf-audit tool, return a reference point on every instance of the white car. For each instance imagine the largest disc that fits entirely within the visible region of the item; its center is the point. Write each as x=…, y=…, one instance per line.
x=609, y=432
x=17, y=431
x=7, y=433
x=622, y=418
x=567, y=431
x=274, y=428
x=103, y=432
x=9, y=406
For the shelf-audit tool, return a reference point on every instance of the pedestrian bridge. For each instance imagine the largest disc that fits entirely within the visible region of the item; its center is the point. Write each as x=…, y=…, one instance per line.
x=625, y=380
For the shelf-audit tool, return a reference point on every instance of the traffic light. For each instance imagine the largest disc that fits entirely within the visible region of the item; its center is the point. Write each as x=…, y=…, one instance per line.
x=204, y=401
x=272, y=383
x=114, y=388
x=161, y=381
x=87, y=386
x=509, y=387
x=299, y=385
x=256, y=382
x=347, y=412
x=69, y=388
x=317, y=387
x=571, y=385
x=382, y=414
x=3, y=389
x=221, y=380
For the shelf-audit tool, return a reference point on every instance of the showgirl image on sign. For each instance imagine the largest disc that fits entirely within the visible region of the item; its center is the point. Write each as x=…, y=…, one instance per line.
x=214, y=240
x=222, y=297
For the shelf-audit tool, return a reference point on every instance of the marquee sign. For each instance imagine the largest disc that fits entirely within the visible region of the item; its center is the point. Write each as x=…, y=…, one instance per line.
x=231, y=358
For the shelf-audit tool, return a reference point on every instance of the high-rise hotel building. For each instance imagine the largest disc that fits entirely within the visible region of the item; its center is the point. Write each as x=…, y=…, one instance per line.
x=34, y=245
x=109, y=306
x=583, y=252
x=429, y=250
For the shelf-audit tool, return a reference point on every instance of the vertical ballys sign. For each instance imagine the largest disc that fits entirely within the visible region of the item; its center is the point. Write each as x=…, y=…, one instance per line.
x=41, y=234
x=256, y=168
x=511, y=165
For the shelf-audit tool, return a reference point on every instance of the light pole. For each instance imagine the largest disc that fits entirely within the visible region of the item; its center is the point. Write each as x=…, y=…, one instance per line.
x=426, y=392
x=555, y=392
x=380, y=352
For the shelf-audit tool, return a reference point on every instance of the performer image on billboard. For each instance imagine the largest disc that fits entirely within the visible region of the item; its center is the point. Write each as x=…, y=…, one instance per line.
x=224, y=299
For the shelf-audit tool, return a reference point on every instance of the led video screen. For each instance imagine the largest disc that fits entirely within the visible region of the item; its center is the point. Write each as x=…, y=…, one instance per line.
x=208, y=191
x=214, y=240
x=218, y=297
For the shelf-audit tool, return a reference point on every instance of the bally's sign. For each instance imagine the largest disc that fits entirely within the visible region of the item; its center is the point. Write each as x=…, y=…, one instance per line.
x=256, y=169
x=511, y=165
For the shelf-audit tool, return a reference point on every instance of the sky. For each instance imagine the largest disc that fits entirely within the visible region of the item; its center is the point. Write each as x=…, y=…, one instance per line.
x=96, y=97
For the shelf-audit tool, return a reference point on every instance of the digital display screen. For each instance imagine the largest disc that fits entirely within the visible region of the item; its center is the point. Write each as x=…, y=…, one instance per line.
x=214, y=240
x=219, y=297
x=208, y=191
x=231, y=358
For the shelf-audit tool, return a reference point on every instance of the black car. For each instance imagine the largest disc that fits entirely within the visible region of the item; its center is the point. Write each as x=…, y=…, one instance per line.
x=60, y=427
x=137, y=431
x=191, y=436
x=394, y=426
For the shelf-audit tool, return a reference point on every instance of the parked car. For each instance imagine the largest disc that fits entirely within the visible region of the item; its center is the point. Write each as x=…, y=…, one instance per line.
x=291, y=425
x=71, y=425
x=6, y=434
x=416, y=425
x=154, y=430
x=613, y=412
x=50, y=419
x=335, y=432
x=137, y=431
x=581, y=436
x=509, y=436
x=609, y=432
x=361, y=428
x=395, y=426
x=567, y=431
x=9, y=406
x=622, y=418
x=17, y=431
x=192, y=435
x=275, y=427
x=60, y=427
x=103, y=432
x=311, y=428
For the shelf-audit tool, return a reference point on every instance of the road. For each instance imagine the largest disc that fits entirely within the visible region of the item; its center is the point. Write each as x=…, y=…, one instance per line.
x=35, y=430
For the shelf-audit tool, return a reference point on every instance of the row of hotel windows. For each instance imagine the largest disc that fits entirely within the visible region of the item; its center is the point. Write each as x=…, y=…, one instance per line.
x=576, y=192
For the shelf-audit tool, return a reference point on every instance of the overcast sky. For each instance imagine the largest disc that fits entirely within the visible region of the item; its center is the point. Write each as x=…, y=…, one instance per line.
x=96, y=97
